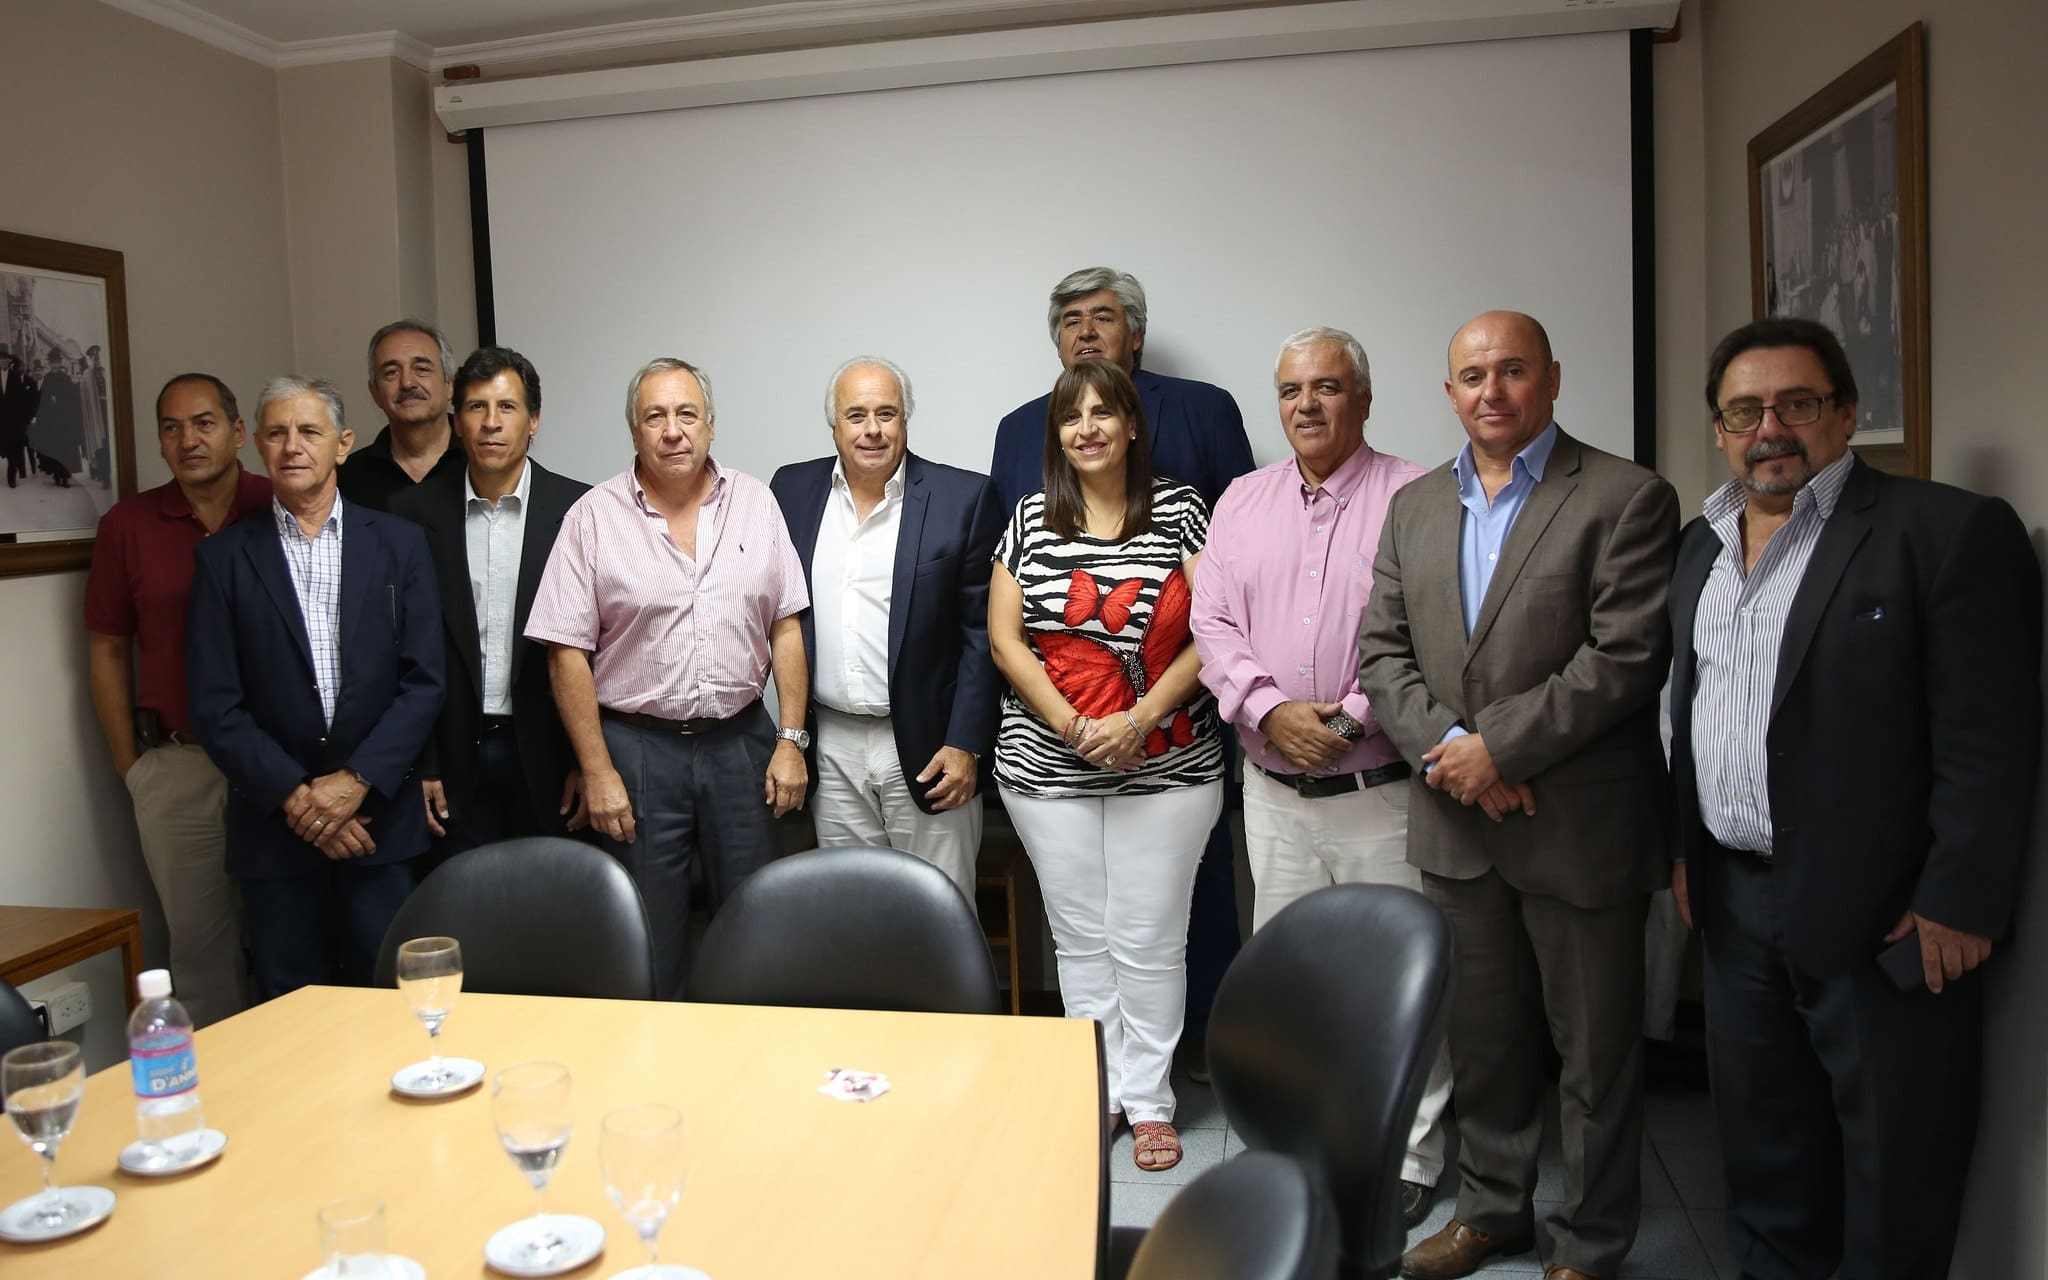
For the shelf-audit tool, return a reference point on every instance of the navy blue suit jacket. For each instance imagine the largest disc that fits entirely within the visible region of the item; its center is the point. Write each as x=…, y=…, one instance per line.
x=1905, y=721
x=249, y=670
x=943, y=687
x=1197, y=438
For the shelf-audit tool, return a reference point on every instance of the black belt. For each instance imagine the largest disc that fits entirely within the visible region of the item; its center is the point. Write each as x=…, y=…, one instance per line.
x=181, y=738
x=1338, y=784
x=494, y=724
x=662, y=724
x=1741, y=855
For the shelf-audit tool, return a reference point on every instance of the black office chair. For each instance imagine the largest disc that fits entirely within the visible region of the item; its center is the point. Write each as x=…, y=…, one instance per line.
x=18, y=1023
x=848, y=928
x=1320, y=1044
x=539, y=916
x=1262, y=1216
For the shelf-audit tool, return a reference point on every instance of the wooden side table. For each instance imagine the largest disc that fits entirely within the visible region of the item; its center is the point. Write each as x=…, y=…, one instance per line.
x=38, y=941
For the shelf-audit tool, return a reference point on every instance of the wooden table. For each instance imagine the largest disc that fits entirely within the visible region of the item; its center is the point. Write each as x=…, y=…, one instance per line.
x=35, y=942
x=984, y=1159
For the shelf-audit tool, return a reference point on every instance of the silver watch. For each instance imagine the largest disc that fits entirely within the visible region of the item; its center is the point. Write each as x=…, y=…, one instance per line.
x=801, y=737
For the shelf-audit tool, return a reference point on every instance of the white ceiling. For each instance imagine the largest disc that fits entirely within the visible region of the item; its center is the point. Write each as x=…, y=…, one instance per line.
x=439, y=33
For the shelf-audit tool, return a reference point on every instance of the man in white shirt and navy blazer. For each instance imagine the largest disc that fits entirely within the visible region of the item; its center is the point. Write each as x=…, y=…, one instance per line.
x=897, y=552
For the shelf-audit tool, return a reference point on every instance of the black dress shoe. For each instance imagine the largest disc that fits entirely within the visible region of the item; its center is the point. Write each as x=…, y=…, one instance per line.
x=1415, y=1202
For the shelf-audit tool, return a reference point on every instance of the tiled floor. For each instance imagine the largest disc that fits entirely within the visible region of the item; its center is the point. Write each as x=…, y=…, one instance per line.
x=1681, y=1236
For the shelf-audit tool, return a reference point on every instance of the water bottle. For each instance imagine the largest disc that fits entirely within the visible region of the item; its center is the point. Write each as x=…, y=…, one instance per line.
x=166, y=1073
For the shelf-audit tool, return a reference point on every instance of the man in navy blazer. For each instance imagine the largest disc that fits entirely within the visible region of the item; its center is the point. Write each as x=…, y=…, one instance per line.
x=1856, y=743
x=1197, y=436
x=315, y=669
x=896, y=553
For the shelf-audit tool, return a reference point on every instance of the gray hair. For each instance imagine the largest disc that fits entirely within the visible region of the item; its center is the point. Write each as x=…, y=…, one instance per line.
x=865, y=362
x=667, y=364
x=1314, y=335
x=420, y=327
x=1094, y=280
x=290, y=386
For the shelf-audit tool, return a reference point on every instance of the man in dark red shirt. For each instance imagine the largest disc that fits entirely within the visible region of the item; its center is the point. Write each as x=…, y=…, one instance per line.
x=135, y=619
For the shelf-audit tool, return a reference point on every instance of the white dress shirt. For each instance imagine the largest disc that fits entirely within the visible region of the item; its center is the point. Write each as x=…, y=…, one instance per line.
x=495, y=532
x=853, y=572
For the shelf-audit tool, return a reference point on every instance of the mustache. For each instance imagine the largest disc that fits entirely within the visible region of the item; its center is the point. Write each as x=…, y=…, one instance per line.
x=1765, y=450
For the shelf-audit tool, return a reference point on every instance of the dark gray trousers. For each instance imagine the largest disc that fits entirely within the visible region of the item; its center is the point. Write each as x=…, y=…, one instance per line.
x=692, y=791
x=1531, y=968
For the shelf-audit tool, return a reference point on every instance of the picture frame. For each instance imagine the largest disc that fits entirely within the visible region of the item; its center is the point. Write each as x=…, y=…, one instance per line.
x=1838, y=234
x=67, y=431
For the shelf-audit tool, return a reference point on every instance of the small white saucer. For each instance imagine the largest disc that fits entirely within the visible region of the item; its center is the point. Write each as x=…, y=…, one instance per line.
x=584, y=1238
x=464, y=1073
x=17, y=1221
x=137, y=1159
x=396, y=1266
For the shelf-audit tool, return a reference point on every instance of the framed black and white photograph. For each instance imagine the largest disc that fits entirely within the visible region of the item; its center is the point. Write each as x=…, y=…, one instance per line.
x=1838, y=234
x=66, y=429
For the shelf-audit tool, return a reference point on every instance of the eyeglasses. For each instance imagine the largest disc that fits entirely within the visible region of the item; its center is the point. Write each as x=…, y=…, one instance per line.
x=1799, y=411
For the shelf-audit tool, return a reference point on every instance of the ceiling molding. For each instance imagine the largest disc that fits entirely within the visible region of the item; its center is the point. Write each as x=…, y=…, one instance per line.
x=1211, y=36
x=204, y=27
x=379, y=44
x=793, y=17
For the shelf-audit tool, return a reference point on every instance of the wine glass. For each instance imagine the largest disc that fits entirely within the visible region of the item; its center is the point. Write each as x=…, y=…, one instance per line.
x=430, y=977
x=530, y=1107
x=641, y=1149
x=44, y=1084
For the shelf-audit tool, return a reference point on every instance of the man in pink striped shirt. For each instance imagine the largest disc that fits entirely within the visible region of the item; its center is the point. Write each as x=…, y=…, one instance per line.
x=1278, y=598
x=671, y=592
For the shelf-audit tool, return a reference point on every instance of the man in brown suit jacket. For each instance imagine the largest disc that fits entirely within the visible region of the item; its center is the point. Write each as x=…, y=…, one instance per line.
x=1514, y=648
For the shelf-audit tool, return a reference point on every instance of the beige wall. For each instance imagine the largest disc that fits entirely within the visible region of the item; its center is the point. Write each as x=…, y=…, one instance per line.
x=172, y=157
x=1988, y=184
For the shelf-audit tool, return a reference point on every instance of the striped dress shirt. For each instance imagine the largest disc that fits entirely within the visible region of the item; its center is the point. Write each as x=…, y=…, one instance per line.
x=315, y=565
x=1736, y=635
x=670, y=635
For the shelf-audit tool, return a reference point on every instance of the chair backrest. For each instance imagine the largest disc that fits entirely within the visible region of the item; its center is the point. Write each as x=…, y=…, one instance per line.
x=18, y=1023
x=1320, y=1044
x=539, y=916
x=1261, y=1216
x=847, y=928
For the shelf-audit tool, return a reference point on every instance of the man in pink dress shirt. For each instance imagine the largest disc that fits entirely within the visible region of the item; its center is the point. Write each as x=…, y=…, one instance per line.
x=1278, y=598
x=671, y=592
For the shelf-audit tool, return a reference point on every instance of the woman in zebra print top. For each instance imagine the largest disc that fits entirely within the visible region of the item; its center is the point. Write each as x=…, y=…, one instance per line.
x=1109, y=758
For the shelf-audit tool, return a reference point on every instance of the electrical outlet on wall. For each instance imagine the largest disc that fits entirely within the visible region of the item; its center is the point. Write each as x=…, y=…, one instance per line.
x=67, y=1006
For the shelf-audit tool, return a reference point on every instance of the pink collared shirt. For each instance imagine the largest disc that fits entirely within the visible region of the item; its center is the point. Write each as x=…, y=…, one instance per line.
x=1279, y=595
x=671, y=636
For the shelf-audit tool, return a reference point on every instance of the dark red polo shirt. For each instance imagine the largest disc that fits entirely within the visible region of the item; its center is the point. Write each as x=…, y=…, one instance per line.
x=141, y=578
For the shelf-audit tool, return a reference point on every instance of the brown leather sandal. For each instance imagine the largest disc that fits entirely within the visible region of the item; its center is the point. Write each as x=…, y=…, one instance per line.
x=1155, y=1138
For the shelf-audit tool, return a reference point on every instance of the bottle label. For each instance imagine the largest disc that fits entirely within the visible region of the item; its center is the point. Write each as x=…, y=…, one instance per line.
x=164, y=1065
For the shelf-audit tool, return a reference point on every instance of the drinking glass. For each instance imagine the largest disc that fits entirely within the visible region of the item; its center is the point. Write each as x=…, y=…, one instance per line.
x=641, y=1149
x=530, y=1107
x=352, y=1237
x=43, y=1085
x=430, y=977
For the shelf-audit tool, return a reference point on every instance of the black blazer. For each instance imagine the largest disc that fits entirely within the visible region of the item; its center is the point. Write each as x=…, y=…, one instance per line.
x=249, y=671
x=943, y=687
x=1905, y=724
x=437, y=504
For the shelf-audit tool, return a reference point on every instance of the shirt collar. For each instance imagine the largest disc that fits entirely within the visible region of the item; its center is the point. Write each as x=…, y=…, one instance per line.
x=518, y=494
x=288, y=524
x=1531, y=461
x=893, y=488
x=171, y=503
x=1344, y=481
x=640, y=490
x=1819, y=495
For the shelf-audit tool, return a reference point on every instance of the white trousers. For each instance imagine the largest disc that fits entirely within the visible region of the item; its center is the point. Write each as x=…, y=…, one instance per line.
x=1118, y=873
x=1297, y=846
x=863, y=799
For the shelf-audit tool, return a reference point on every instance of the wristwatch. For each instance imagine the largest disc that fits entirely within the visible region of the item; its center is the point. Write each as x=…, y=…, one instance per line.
x=801, y=737
x=1344, y=726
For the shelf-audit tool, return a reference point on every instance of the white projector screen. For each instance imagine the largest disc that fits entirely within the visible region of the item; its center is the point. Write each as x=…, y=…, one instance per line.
x=1393, y=193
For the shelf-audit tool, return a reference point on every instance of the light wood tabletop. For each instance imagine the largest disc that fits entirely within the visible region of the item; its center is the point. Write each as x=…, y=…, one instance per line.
x=984, y=1159
x=37, y=941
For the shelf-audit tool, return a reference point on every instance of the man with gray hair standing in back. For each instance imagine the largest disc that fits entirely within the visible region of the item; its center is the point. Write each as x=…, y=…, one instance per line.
x=314, y=679
x=1197, y=436
x=897, y=552
x=412, y=381
x=671, y=592
x=1325, y=793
